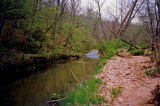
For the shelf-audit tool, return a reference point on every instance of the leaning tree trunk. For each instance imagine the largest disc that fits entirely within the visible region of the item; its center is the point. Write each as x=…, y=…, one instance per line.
x=158, y=58
x=158, y=38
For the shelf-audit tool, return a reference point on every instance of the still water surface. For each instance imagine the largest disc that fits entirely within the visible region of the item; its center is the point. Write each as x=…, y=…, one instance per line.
x=58, y=78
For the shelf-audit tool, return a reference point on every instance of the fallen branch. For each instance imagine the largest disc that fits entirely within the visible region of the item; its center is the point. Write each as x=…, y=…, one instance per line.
x=148, y=47
x=129, y=43
x=53, y=101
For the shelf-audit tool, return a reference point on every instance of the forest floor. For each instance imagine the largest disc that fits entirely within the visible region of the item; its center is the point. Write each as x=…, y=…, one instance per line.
x=127, y=75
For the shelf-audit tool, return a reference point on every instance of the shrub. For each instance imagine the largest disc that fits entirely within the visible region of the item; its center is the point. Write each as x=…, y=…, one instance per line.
x=137, y=52
x=55, y=96
x=110, y=48
x=85, y=95
x=150, y=72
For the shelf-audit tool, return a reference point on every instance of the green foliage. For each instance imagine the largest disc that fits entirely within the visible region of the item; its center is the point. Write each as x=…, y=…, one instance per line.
x=55, y=96
x=44, y=18
x=110, y=48
x=150, y=72
x=86, y=94
x=137, y=52
x=20, y=22
x=100, y=64
x=102, y=60
x=115, y=91
x=143, y=44
x=19, y=10
x=32, y=30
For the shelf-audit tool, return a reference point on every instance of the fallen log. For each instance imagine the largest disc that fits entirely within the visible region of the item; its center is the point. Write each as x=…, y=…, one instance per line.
x=129, y=43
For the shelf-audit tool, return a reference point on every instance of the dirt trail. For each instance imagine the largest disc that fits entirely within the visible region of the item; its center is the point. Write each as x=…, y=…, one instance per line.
x=128, y=75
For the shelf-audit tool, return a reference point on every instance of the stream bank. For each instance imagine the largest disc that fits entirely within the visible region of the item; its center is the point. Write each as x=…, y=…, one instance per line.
x=36, y=89
x=12, y=71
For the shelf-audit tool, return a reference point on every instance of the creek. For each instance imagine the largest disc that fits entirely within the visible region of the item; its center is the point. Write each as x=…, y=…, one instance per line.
x=55, y=78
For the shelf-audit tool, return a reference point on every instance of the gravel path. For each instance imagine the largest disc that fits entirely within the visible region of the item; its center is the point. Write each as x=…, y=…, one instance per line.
x=128, y=75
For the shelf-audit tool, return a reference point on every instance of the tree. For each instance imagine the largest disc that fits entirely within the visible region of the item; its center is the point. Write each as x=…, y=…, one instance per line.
x=100, y=4
x=73, y=23
x=59, y=12
x=150, y=16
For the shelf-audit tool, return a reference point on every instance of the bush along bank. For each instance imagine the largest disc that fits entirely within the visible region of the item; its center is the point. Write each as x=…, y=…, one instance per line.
x=87, y=92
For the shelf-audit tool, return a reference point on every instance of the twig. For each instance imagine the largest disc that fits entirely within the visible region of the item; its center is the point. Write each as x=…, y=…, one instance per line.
x=52, y=101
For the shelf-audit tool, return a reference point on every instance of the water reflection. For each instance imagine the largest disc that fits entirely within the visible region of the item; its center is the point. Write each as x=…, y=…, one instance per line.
x=35, y=90
x=92, y=54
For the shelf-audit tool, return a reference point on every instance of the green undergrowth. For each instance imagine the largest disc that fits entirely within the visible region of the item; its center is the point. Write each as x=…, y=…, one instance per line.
x=110, y=48
x=137, y=52
x=142, y=44
x=56, y=96
x=150, y=72
x=115, y=91
x=84, y=95
x=87, y=93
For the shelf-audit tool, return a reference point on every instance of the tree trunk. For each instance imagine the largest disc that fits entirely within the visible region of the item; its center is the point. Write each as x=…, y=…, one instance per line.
x=158, y=38
x=1, y=26
x=69, y=36
x=34, y=10
x=54, y=32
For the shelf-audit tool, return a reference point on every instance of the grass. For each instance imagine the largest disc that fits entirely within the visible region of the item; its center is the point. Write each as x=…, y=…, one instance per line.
x=115, y=91
x=150, y=72
x=84, y=95
x=87, y=93
x=137, y=52
x=110, y=48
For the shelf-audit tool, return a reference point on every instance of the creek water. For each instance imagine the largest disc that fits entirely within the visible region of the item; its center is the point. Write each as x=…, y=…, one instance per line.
x=56, y=78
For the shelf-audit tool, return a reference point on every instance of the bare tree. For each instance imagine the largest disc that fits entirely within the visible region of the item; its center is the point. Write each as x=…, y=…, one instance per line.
x=123, y=18
x=100, y=4
x=128, y=17
x=150, y=17
x=158, y=35
x=74, y=4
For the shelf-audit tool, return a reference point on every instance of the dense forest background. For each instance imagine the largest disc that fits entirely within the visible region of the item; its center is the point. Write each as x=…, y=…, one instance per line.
x=55, y=27
x=36, y=29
